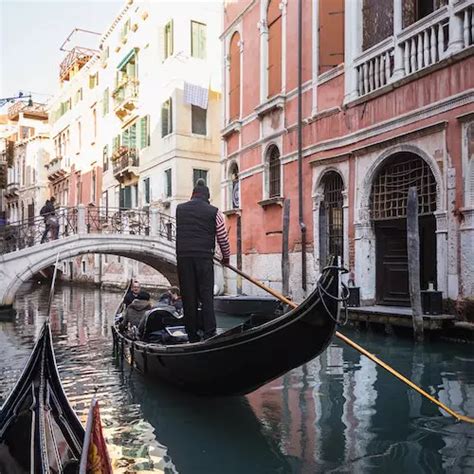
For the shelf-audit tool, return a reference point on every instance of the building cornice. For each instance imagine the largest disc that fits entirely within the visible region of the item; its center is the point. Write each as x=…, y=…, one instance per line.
x=458, y=100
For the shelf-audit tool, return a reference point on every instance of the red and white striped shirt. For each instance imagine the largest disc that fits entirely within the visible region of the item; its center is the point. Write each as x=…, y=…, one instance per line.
x=221, y=235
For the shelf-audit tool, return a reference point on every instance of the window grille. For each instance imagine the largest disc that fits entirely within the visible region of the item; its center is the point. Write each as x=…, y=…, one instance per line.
x=390, y=188
x=274, y=172
x=333, y=202
x=235, y=187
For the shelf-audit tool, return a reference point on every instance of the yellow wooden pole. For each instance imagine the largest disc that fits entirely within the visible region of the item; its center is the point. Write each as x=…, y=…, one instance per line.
x=363, y=351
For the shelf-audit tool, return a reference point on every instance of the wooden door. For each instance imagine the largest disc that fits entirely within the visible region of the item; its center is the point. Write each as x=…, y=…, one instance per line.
x=392, y=263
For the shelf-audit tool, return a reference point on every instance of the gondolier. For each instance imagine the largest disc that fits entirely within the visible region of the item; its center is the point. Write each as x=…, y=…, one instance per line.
x=198, y=224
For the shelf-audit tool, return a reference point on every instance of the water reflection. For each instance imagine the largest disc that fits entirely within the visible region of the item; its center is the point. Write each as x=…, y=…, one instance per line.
x=338, y=413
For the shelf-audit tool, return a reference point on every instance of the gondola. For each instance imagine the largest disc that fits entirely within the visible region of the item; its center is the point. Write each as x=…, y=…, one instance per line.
x=39, y=430
x=243, y=358
x=246, y=305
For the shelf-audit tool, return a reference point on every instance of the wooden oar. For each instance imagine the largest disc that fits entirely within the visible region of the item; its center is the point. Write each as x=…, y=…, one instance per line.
x=51, y=290
x=360, y=349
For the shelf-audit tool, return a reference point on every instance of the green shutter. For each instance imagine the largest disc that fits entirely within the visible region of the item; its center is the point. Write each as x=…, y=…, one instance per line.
x=166, y=118
x=194, y=39
x=202, y=41
x=105, y=102
x=132, y=137
x=144, y=131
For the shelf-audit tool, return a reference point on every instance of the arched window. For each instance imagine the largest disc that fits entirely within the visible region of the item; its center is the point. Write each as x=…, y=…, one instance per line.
x=274, y=172
x=234, y=82
x=234, y=186
x=274, y=21
x=331, y=218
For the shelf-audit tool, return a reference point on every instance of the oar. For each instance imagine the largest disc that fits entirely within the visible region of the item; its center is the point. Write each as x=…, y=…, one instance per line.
x=51, y=291
x=360, y=349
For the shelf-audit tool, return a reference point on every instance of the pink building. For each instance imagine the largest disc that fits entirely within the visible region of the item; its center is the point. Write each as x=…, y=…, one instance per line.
x=387, y=103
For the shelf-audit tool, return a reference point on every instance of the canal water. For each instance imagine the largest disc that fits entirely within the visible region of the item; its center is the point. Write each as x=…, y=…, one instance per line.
x=339, y=413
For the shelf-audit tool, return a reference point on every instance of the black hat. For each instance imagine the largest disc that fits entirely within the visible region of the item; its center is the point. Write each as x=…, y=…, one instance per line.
x=201, y=190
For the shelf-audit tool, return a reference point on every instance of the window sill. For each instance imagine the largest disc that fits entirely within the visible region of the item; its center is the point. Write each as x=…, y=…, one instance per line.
x=232, y=212
x=270, y=105
x=278, y=201
x=233, y=127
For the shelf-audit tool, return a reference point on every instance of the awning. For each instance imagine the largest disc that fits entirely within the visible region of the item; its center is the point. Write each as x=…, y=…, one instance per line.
x=127, y=58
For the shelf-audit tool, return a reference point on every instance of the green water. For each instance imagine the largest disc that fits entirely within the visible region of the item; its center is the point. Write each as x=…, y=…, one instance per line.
x=338, y=413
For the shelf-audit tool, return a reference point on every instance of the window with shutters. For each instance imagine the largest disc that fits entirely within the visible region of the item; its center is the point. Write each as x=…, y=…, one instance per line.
x=234, y=78
x=146, y=191
x=199, y=120
x=168, y=40
x=105, y=158
x=199, y=174
x=94, y=124
x=274, y=21
x=167, y=118
x=145, y=131
x=331, y=34
x=198, y=40
x=274, y=172
x=115, y=143
x=105, y=102
x=129, y=136
x=168, y=183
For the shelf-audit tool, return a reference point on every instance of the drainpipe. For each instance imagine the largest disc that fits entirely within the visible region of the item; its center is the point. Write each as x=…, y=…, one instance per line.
x=300, y=146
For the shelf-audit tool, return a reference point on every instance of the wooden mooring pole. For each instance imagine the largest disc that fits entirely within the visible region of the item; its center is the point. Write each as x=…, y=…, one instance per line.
x=285, y=257
x=413, y=251
x=239, y=253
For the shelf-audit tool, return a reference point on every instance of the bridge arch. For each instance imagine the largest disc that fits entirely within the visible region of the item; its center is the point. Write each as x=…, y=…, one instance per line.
x=18, y=267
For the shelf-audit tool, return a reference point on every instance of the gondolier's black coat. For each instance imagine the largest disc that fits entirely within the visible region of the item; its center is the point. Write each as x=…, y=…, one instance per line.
x=195, y=243
x=195, y=229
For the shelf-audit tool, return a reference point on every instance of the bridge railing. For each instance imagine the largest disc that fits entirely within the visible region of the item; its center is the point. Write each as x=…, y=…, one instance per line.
x=32, y=230
x=86, y=220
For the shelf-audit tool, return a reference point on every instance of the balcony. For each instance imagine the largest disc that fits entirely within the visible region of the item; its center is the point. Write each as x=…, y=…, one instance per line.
x=125, y=163
x=125, y=98
x=74, y=61
x=35, y=110
x=423, y=46
x=56, y=169
x=12, y=191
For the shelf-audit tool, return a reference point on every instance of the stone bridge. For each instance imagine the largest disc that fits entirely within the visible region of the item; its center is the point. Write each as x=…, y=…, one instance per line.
x=147, y=236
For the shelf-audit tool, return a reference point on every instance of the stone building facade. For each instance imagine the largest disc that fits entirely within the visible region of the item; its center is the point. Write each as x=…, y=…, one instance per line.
x=387, y=103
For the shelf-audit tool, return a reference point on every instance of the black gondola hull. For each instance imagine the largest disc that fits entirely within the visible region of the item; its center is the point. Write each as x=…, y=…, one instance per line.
x=241, y=360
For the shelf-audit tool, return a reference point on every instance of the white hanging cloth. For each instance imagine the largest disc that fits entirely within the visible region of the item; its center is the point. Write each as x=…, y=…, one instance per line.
x=196, y=95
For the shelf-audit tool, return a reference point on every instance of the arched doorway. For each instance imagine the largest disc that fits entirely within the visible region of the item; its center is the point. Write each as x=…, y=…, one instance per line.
x=388, y=205
x=331, y=221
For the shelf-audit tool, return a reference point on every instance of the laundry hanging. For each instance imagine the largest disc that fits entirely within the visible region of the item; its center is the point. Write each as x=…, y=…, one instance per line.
x=196, y=95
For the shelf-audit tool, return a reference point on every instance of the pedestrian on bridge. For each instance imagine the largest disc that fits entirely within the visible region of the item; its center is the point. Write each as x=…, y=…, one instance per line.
x=198, y=224
x=51, y=223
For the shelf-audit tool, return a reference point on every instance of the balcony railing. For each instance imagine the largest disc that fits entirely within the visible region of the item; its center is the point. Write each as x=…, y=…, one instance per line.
x=125, y=96
x=124, y=159
x=74, y=61
x=375, y=67
x=35, y=109
x=425, y=43
x=55, y=168
x=441, y=34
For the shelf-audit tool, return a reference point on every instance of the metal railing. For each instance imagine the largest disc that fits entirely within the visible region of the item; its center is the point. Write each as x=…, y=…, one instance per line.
x=127, y=90
x=85, y=220
x=124, y=158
